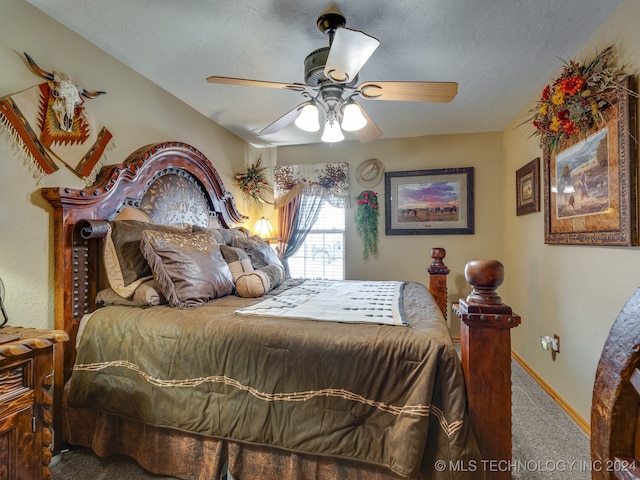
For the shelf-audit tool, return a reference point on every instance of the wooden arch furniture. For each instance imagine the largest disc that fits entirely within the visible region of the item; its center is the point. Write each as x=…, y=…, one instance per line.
x=154, y=178
x=615, y=414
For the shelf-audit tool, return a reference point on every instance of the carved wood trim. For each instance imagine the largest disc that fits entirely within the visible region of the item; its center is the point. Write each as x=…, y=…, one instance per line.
x=615, y=404
x=438, y=272
x=78, y=265
x=485, y=338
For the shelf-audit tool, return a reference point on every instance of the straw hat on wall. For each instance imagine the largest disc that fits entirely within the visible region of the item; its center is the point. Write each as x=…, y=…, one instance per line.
x=369, y=173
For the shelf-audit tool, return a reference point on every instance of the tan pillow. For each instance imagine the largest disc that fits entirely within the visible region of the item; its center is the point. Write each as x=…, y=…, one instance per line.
x=214, y=223
x=238, y=261
x=125, y=265
x=132, y=213
x=188, y=267
x=260, y=282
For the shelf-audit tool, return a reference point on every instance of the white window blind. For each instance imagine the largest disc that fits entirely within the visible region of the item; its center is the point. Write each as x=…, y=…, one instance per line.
x=322, y=254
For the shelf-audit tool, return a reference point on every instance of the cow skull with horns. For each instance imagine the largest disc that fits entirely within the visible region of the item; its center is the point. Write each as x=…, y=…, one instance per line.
x=67, y=96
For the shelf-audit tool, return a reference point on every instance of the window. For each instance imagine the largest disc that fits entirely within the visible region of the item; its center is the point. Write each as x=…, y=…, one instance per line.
x=322, y=253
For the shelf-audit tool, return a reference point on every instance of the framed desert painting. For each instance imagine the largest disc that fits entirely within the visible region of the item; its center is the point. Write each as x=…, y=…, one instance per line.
x=429, y=202
x=590, y=185
x=528, y=188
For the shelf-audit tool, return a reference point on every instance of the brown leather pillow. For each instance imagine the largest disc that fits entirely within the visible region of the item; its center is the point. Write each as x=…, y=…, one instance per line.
x=125, y=266
x=188, y=267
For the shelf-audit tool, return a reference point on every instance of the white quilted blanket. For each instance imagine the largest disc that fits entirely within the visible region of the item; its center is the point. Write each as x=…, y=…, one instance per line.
x=350, y=301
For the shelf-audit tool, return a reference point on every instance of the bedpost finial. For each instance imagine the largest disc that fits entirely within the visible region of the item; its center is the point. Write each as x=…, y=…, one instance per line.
x=438, y=253
x=484, y=276
x=437, y=263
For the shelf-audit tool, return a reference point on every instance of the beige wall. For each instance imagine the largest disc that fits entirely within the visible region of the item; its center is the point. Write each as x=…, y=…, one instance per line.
x=575, y=292
x=136, y=112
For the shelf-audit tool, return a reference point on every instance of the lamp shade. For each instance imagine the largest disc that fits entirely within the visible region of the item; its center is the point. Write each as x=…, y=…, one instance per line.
x=332, y=132
x=264, y=229
x=308, y=118
x=352, y=117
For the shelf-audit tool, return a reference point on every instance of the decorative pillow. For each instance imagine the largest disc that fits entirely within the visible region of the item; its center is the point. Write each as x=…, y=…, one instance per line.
x=132, y=213
x=218, y=236
x=216, y=232
x=260, y=282
x=230, y=233
x=259, y=251
x=238, y=261
x=214, y=223
x=188, y=267
x=147, y=294
x=125, y=265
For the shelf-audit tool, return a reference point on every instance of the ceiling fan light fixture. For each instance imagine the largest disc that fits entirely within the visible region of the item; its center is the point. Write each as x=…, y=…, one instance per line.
x=352, y=50
x=332, y=132
x=331, y=84
x=308, y=118
x=352, y=117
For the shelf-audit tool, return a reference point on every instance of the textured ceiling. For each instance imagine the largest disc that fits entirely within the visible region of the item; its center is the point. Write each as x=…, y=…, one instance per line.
x=500, y=52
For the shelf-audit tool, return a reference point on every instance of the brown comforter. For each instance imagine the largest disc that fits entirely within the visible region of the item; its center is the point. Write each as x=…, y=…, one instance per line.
x=389, y=395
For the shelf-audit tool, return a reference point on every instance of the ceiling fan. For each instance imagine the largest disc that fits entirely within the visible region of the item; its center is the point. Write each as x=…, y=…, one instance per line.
x=331, y=88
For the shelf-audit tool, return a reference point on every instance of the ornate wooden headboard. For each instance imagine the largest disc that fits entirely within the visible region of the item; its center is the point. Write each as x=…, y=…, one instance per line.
x=172, y=182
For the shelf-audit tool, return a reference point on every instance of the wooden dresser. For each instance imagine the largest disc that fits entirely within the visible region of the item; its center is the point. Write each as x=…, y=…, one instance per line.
x=26, y=373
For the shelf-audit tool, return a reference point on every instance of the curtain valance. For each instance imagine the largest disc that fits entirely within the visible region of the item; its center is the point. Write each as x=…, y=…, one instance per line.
x=330, y=180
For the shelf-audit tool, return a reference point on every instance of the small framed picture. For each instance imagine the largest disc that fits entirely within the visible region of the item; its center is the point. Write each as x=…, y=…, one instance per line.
x=528, y=188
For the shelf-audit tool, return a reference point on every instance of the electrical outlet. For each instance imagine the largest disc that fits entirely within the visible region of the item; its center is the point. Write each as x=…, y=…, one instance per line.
x=548, y=342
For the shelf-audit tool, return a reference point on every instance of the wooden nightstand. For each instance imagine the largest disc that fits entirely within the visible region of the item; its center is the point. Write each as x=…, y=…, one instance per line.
x=26, y=373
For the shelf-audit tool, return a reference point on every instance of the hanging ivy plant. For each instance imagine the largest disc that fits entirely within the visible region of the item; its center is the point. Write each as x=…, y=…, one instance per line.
x=253, y=184
x=367, y=223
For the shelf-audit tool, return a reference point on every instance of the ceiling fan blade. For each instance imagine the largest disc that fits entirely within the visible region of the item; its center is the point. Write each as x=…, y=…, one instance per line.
x=442, y=92
x=284, y=120
x=349, y=51
x=370, y=131
x=297, y=87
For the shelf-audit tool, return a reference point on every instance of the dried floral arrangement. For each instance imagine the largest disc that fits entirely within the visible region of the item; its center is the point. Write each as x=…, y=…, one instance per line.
x=367, y=223
x=574, y=102
x=253, y=184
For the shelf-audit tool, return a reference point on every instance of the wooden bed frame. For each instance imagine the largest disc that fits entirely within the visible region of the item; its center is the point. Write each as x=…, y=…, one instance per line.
x=485, y=320
x=615, y=414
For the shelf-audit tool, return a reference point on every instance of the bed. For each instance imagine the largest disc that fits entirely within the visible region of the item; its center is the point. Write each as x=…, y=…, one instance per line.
x=197, y=390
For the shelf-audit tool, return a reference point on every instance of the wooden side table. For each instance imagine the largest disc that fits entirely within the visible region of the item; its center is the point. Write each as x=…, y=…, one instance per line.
x=26, y=373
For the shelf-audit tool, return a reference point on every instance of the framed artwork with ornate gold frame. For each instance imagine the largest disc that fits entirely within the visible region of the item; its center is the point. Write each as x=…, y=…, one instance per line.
x=590, y=185
x=528, y=188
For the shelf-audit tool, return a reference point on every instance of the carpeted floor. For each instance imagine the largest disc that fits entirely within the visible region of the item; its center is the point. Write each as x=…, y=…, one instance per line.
x=547, y=444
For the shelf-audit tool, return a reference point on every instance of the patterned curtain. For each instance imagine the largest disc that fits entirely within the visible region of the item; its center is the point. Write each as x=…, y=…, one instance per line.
x=296, y=219
x=332, y=178
x=299, y=192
